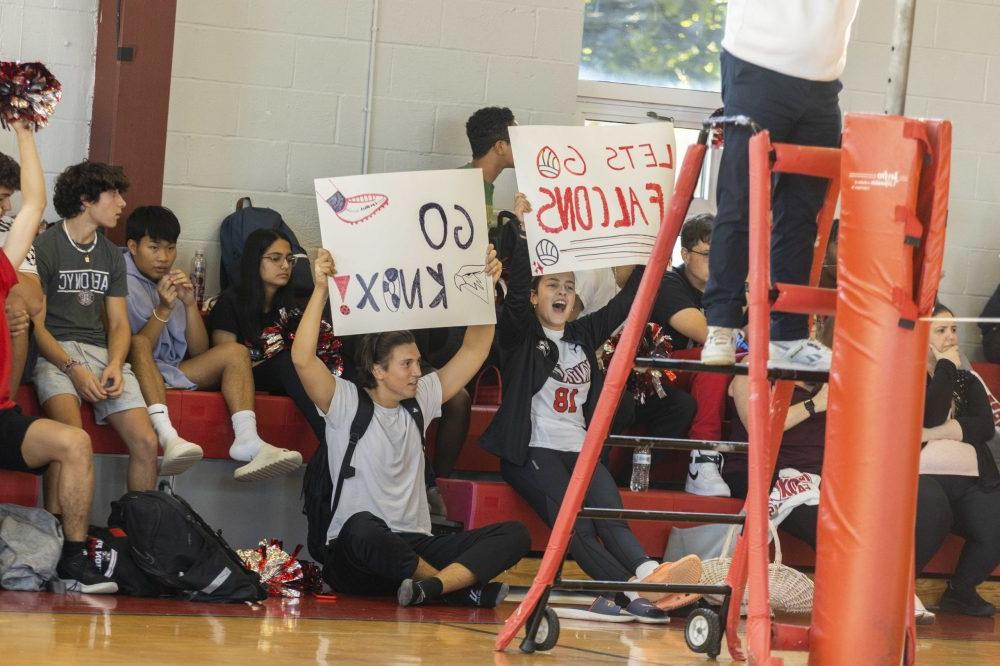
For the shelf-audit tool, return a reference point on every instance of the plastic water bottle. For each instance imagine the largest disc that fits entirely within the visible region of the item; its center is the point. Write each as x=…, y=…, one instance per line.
x=642, y=458
x=198, y=269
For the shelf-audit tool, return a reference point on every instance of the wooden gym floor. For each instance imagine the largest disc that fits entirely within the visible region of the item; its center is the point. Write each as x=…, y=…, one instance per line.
x=76, y=629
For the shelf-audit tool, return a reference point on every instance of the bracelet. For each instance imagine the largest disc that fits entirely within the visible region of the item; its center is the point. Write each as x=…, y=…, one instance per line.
x=158, y=317
x=69, y=365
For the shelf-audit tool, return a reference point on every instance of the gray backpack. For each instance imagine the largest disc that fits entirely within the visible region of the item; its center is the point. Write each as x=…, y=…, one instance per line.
x=31, y=543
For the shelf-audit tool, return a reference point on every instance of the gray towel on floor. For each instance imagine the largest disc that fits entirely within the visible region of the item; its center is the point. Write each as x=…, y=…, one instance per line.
x=30, y=546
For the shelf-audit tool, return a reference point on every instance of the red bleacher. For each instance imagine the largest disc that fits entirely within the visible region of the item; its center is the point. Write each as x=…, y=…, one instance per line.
x=203, y=417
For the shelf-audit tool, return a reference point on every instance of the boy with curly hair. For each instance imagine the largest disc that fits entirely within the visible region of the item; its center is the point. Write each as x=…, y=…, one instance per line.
x=84, y=279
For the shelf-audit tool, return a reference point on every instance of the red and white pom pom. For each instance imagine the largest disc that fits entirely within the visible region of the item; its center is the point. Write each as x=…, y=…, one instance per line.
x=28, y=92
x=643, y=383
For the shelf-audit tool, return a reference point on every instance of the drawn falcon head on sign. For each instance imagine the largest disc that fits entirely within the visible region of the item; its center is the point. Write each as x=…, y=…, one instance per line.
x=358, y=208
x=473, y=279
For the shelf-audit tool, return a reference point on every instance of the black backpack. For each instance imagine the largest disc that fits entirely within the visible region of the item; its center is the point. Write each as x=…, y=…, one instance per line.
x=171, y=543
x=239, y=224
x=108, y=549
x=320, y=499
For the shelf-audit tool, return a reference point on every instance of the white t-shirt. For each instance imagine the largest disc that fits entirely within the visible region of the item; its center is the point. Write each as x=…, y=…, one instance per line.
x=595, y=288
x=557, y=409
x=388, y=459
x=802, y=38
x=28, y=265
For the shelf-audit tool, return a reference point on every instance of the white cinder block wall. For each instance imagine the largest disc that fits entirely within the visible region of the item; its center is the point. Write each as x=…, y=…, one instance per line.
x=269, y=94
x=954, y=74
x=63, y=35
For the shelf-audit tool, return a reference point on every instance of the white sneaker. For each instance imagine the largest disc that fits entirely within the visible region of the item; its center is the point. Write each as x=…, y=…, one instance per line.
x=799, y=355
x=178, y=456
x=720, y=346
x=920, y=612
x=704, y=476
x=269, y=462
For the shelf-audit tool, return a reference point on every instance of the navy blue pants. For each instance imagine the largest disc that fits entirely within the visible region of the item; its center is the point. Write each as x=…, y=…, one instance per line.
x=795, y=111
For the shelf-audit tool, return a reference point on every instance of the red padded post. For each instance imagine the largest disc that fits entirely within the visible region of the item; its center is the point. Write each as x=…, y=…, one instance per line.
x=867, y=510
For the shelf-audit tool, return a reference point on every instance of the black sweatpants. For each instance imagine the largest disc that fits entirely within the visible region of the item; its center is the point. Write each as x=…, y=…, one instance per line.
x=959, y=504
x=604, y=549
x=277, y=376
x=368, y=558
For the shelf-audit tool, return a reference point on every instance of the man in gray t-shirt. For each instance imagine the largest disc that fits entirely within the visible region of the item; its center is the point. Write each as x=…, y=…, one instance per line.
x=84, y=334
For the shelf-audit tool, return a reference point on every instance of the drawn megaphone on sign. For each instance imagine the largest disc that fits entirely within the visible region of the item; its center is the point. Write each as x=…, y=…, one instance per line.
x=472, y=279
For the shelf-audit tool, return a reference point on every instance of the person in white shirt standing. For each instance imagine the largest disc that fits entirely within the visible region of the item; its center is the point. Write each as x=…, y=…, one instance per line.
x=781, y=61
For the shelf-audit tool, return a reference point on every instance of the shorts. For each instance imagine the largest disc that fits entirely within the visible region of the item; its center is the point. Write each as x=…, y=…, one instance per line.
x=13, y=427
x=50, y=381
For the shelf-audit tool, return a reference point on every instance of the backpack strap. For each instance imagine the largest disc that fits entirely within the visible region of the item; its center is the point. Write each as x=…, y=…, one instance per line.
x=362, y=419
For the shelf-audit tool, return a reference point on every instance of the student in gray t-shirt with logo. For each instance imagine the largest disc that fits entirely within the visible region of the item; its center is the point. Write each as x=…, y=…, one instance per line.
x=83, y=276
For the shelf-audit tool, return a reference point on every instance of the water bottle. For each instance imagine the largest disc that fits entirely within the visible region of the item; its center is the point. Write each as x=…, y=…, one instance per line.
x=198, y=277
x=641, y=461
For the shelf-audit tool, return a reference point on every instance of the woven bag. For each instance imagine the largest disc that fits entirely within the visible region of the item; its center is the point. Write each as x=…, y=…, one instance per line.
x=790, y=591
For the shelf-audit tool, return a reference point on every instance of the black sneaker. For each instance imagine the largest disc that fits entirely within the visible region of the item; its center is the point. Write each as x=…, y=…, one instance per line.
x=965, y=603
x=481, y=596
x=410, y=594
x=79, y=574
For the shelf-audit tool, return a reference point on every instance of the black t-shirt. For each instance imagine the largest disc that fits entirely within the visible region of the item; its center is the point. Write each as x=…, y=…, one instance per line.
x=676, y=294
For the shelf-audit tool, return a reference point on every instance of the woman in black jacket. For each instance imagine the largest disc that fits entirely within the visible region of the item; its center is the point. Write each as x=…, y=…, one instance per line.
x=551, y=383
x=959, y=482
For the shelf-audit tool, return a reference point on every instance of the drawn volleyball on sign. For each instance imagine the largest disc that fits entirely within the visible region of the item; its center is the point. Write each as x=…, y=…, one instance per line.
x=548, y=163
x=547, y=252
x=390, y=289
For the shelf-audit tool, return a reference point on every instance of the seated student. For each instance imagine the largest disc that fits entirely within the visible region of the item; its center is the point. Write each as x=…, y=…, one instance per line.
x=167, y=327
x=261, y=313
x=380, y=536
x=551, y=382
x=83, y=276
x=680, y=314
x=25, y=299
x=29, y=444
x=959, y=483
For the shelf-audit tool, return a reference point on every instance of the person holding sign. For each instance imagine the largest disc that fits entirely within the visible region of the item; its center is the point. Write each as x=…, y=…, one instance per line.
x=781, y=69
x=379, y=538
x=551, y=382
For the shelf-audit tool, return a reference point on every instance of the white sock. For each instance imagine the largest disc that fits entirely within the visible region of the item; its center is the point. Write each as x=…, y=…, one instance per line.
x=646, y=568
x=247, y=443
x=161, y=423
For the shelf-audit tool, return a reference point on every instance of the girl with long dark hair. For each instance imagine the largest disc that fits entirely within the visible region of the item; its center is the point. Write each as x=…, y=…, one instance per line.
x=261, y=313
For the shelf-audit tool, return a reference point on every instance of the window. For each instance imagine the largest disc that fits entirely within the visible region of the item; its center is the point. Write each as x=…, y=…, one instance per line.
x=662, y=56
x=660, y=43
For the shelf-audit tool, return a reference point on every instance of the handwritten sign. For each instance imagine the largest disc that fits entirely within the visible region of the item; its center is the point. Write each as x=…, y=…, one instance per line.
x=409, y=248
x=598, y=193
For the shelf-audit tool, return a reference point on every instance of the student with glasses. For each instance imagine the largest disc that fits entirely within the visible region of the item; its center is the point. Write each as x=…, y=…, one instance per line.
x=261, y=313
x=170, y=346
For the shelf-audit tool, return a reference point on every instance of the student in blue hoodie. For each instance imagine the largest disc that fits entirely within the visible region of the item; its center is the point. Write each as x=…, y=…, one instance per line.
x=170, y=344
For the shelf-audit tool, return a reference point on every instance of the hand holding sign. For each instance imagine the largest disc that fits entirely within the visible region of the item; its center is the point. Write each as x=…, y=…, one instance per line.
x=597, y=194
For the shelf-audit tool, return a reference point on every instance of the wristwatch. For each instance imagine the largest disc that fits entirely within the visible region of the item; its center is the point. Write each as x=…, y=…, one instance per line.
x=810, y=407
x=69, y=365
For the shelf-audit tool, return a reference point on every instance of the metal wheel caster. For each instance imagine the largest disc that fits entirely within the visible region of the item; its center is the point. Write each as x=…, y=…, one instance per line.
x=546, y=634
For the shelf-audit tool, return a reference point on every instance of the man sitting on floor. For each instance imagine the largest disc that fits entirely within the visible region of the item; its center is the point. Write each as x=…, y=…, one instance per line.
x=83, y=334
x=379, y=539
x=29, y=444
x=170, y=346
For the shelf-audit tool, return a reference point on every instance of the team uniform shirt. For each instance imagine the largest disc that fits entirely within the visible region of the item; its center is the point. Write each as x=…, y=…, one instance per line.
x=557, y=420
x=75, y=288
x=806, y=39
x=28, y=265
x=388, y=459
x=171, y=346
x=8, y=278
